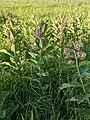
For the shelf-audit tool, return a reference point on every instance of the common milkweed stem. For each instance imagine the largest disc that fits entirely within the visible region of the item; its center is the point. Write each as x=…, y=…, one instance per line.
x=80, y=74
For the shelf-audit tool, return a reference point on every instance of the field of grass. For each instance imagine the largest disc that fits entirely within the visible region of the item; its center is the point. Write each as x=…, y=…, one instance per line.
x=40, y=9
x=44, y=60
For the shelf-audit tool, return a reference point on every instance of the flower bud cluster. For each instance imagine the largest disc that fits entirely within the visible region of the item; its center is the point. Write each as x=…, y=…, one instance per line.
x=78, y=46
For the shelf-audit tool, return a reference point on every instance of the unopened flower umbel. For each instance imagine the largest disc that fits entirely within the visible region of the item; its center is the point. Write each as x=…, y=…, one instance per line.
x=79, y=45
x=38, y=33
x=10, y=42
x=34, y=46
x=81, y=55
x=67, y=52
x=7, y=32
x=70, y=62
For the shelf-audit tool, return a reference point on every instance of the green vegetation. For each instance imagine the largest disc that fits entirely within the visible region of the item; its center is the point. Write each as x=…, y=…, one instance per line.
x=44, y=61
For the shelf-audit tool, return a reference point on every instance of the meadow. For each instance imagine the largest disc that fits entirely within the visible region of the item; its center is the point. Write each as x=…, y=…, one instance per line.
x=44, y=60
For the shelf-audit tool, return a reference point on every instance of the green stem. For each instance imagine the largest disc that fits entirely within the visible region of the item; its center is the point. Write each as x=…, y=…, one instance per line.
x=80, y=74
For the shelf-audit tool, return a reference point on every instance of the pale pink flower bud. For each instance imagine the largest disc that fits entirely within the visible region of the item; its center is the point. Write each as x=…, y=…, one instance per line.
x=7, y=32
x=38, y=33
x=70, y=62
x=34, y=46
x=81, y=55
x=10, y=42
x=79, y=45
x=67, y=52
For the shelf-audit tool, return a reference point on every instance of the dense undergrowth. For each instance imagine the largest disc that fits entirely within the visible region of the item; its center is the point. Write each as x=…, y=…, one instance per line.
x=44, y=68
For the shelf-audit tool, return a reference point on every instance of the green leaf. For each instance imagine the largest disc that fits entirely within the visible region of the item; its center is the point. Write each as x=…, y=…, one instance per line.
x=86, y=74
x=66, y=85
x=42, y=74
x=11, y=25
x=87, y=88
x=5, y=51
x=73, y=99
x=87, y=83
x=13, y=48
x=2, y=112
x=6, y=63
x=40, y=44
x=22, y=117
x=12, y=36
x=33, y=55
x=84, y=63
x=87, y=113
x=12, y=109
x=53, y=117
x=77, y=84
x=46, y=47
x=3, y=95
x=31, y=115
x=12, y=60
x=33, y=22
x=81, y=98
x=33, y=61
x=25, y=32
